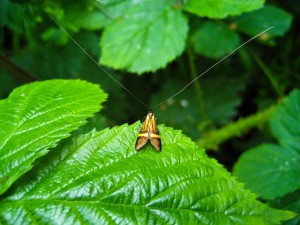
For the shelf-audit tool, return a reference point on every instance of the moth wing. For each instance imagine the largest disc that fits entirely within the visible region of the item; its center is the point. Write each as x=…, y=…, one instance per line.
x=156, y=143
x=140, y=142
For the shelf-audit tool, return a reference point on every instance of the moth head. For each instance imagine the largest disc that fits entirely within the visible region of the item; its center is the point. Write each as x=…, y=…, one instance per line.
x=150, y=113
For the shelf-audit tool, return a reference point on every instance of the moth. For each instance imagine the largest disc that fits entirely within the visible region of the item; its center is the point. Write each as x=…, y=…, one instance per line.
x=150, y=132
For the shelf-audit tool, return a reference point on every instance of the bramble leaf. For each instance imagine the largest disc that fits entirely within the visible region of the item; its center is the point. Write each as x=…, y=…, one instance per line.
x=146, y=38
x=100, y=178
x=214, y=40
x=254, y=22
x=38, y=115
x=275, y=165
x=221, y=8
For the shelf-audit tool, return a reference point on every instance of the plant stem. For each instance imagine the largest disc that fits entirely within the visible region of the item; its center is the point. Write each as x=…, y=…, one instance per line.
x=214, y=138
x=269, y=75
x=197, y=85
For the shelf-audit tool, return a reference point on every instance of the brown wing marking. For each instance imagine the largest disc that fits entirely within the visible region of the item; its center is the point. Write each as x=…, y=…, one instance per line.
x=155, y=141
x=141, y=141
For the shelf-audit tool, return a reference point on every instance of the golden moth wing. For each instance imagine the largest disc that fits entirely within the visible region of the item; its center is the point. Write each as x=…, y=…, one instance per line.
x=140, y=142
x=155, y=141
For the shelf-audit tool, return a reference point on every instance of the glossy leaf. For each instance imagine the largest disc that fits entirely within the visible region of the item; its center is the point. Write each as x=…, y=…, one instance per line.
x=275, y=165
x=38, y=115
x=146, y=38
x=221, y=8
x=100, y=178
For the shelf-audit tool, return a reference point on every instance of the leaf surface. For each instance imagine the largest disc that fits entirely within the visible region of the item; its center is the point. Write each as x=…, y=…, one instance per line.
x=146, y=38
x=275, y=165
x=255, y=22
x=36, y=116
x=290, y=202
x=215, y=40
x=221, y=8
x=100, y=178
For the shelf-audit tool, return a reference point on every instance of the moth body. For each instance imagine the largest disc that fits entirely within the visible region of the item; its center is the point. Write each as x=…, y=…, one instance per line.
x=150, y=132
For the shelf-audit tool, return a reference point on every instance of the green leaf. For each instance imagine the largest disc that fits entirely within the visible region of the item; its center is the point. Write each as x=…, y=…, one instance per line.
x=289, y=202
x=36, y=116
x=146, y=38
x=269, y=165
x=100, y=178
x=285, y=122
x=255, y=22
x=221, y=8
x=214, y=40
x=67, y=14
x=94, y=15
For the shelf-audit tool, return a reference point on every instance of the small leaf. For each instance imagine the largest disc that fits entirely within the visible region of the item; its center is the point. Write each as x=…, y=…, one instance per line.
x=221, y=8
x=255, y=22
x=100, y=178
x=215, y=40
x=268, y=165
x=67, y=14
x=36, y=116
x=150, y=35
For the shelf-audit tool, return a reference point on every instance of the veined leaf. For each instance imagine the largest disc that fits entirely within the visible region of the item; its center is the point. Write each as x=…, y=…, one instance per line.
x=36, y=116
x=99, y=178
x=221, y=8
x=146, y=38
x=275, y=165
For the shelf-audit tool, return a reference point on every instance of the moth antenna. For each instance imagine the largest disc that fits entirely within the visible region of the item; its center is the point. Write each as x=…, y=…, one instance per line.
x=88, y=55
x=221, y=60
x=126, y=89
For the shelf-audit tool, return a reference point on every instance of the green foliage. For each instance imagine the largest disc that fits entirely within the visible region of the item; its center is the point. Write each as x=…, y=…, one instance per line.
x=220, y=106
x=275, y=165
x=289, y=202
x=168, y=38
x=215, y=40
x=100, y=177
x=144, y=36
x=253, y=22
x=36, y=116
x=151, y=30
x=220, y=8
